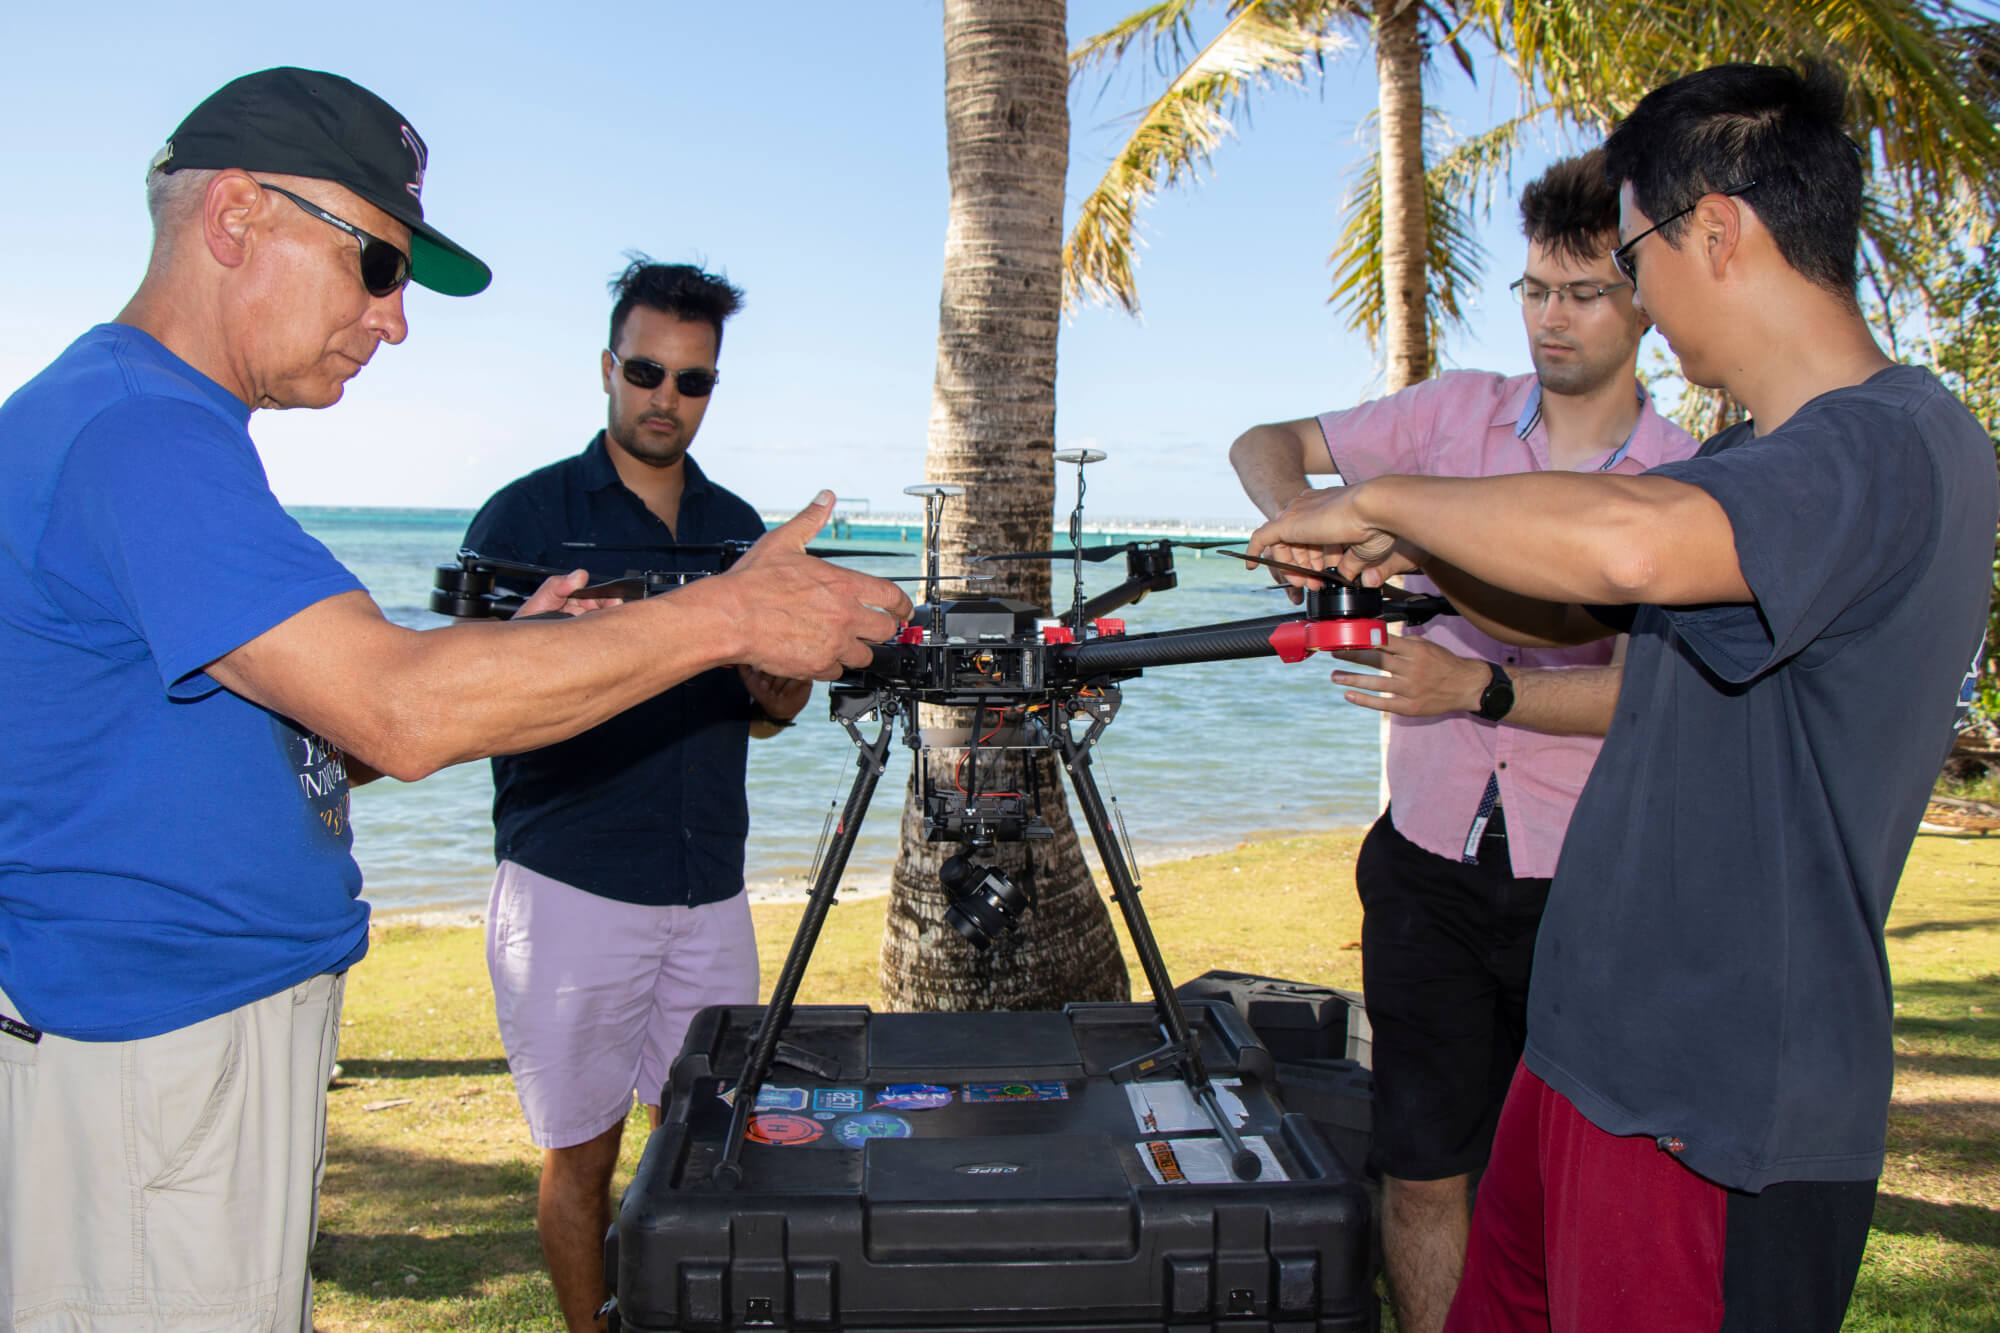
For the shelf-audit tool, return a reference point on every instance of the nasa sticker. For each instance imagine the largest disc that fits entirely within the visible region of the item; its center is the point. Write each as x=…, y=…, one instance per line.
x=856, y=1130
x=914, y=1096
x=783, y=1131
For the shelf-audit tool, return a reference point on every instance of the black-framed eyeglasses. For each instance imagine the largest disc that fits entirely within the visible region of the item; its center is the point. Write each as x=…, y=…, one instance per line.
x=1531, y=293
x=1628, y=263
x=644, y=373
x=384, y=268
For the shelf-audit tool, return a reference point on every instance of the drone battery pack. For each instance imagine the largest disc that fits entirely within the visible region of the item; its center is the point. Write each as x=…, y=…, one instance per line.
x=986, y=1172
x=1294, y=1020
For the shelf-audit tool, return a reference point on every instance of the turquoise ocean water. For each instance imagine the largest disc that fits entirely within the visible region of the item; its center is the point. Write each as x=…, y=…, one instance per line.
x=1199, y=758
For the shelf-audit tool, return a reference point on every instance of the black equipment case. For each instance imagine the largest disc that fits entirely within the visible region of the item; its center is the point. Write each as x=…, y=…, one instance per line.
x=984, y=1172
x=1323, y=1046
x=1295, y=1020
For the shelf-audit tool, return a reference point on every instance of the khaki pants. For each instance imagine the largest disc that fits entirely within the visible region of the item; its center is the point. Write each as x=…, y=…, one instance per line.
x=170, y=1183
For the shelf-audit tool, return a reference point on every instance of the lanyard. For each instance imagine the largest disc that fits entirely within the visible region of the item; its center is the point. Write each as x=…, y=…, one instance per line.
x=1531, y=417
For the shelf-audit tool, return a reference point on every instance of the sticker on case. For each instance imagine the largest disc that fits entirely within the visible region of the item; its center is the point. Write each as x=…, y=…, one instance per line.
x=856, y=1130
x=914, y=1097
x=837, y=1099
x=1016, y=1092
x=783, y=1131
x=781, y=1099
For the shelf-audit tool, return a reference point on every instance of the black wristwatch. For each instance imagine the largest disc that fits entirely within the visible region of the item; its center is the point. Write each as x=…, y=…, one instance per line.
x=1498, y=698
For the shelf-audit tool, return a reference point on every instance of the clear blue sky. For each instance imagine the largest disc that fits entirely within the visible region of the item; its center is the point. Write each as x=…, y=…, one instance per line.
x=798, y=147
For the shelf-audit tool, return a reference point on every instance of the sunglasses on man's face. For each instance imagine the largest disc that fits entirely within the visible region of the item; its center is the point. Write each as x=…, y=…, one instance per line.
x=384, y=268
x=642, y=373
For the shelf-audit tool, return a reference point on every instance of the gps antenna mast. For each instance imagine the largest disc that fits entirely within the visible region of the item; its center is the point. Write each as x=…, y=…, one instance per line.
x=934, y=494
x=1079, y=457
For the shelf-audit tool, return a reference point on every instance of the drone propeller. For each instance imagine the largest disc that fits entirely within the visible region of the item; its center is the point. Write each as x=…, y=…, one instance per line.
x=712, y=548
x=1332, y=576
x=1108, y=552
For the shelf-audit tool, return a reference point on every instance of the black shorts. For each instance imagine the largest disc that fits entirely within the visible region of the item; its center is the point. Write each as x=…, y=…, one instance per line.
x=1445, y=953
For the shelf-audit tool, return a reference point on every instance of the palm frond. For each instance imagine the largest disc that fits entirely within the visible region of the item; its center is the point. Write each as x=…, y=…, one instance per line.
x=1165, y=29
x=1454, y=256
x=1175, y=137
x=1473, y=170
x=1921, y=84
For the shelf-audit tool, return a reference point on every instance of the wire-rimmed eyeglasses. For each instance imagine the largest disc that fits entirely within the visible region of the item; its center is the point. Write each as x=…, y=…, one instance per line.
x=1534, y=294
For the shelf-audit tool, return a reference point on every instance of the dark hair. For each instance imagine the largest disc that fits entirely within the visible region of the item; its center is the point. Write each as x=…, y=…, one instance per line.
x=680, y=290
x=1716, y=129
x=1571, y=209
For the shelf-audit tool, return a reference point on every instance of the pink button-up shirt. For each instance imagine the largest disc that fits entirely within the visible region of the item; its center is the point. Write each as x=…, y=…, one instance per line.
x=1476, y=424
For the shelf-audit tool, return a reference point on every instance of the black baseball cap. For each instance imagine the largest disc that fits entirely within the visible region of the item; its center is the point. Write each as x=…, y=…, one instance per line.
x=301, y=122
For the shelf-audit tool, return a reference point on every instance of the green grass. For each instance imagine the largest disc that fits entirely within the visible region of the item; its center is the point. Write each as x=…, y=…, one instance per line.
x=427, y=1218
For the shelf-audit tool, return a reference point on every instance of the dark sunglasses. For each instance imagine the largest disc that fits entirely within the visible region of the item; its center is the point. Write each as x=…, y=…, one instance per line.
x=1628, y=263
x=642, y=373
x=384, y=268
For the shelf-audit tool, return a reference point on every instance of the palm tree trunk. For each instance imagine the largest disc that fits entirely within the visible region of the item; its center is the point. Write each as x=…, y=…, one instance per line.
x=1399, y=69
x=992, y=431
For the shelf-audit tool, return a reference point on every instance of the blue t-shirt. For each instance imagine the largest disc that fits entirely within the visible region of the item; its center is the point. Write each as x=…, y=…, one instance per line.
x=168, y=851
x=648, y=807
x=1710, y=970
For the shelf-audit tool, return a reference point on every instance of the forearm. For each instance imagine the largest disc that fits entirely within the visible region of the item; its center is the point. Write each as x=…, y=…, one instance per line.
x=1562, y=701
x=407, y=703
x=523, y=686
x=1269, y=463
x=1574, y=701
x=1565, y=537
x=1510, y=617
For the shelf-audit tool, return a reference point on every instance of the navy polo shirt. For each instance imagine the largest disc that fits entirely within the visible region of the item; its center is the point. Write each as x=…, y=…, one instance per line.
x=649, y=806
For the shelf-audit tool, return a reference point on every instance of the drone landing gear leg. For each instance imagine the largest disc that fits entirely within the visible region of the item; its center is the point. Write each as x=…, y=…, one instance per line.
x=1180, y=1050
x=764, y=1048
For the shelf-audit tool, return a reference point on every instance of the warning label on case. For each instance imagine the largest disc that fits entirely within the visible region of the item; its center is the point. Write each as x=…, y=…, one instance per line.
x=1203, y=1161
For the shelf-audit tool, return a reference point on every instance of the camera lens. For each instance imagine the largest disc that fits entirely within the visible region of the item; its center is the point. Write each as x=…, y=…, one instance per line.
x=984, y=901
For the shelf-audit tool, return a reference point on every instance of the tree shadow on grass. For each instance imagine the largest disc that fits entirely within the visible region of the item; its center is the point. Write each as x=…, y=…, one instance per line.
x=1962, y=1223
x=366, y=1068
x=1947, y=1066
x=1953, y=1135
x=1916, y=928
x=391, y=1213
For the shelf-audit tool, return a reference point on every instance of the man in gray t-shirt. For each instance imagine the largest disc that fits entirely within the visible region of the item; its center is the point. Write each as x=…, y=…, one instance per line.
x=1694, y=1135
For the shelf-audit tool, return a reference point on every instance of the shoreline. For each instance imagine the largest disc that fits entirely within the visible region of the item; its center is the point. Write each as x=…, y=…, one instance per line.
x=856, y=889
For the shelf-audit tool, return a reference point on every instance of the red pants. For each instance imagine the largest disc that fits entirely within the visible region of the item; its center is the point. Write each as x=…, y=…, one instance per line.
x=1580, y=1231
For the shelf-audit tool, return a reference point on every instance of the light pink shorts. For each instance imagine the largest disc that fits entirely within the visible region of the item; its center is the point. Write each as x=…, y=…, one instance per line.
x=594, y=996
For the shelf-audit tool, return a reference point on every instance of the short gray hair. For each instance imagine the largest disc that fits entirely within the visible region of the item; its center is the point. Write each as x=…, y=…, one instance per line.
x=171, y=197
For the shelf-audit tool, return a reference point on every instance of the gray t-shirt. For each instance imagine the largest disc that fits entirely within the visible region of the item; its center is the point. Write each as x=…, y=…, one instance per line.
x=1710, y=968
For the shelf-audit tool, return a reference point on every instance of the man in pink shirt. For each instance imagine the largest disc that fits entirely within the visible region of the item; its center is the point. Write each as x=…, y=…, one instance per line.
x=1491, y=743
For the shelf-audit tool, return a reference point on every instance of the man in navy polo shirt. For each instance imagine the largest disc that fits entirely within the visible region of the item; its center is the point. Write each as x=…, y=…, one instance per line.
x=618, y=909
